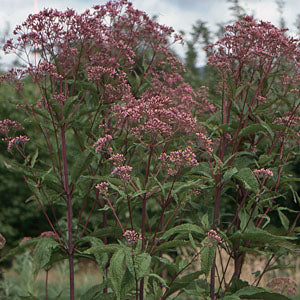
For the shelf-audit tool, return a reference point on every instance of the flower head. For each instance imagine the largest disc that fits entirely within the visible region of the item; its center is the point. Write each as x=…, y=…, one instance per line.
x=2, y=241
x=132, y=237
x=213, y=236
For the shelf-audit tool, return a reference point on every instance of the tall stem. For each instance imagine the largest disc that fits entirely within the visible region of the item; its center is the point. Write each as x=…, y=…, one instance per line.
x=144, y=215
x=70, y=210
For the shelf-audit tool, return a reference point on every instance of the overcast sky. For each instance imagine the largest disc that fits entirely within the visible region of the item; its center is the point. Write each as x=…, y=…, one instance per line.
x=180, y=14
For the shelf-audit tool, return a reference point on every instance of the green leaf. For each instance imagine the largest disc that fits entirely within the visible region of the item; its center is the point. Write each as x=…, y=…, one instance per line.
x=205, y=222
x=160, y=279
x=246, y=176
x=207, y=258
x=122, y=194
x=80, y=165
x=116, y=271
x=182, y=228
x=192, y=241
x=260, y=235
x=180, y=186
x=128, y=283
x=232, y=297
x=264, y=217
x=239, y=90
x=267, y=296
x=93, y=293
x=236, y=285
x=284, y=220
x=266, y=127
x=229, y=173
x=142, y=264
x=105, y=208
x=250, y=129
x=103, y=249
x=244, y=218
x=160, y=185
x=248, y=291
x=171, y=244
x=138, y=193
x=31, y=297
x=183, y=282
x=34, y=158
x=43, y=252
x=20, y=249
x=90, y=239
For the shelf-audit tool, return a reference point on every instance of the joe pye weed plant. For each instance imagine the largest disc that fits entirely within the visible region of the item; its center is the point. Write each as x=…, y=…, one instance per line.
x=129, y=152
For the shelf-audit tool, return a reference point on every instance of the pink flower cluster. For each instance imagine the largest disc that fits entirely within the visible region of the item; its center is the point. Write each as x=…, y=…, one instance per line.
x=213, y=235
x=102, y=142
x=179, y=158
x=2, y=241
x=265, y=172
x=13, y=142
x=155, y=114
x=251, y=44
x=49, y=234
x=106, y=45
x=288, y=119
x=7, y=125
x=205, y=141
x=123, y=172
x=103, y=188
x=132, y=237
x=117, y=159
x=283, y=285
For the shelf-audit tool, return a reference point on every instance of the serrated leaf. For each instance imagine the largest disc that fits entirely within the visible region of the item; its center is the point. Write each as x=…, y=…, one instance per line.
x=103, y=249
x=267, y=296
x=248, y=291
x=43, y=252
x=90, y=239
x=116, y=271
x=246, y=176
x=260, y=235
x=180, y=186
x=192, y=241
x=160, y=279
x=183, y=282
x=142, y=264
x=250, y=129
x=170, y=245
x=207, y=258
x=232, y=297
x=229, y=173
x=128, y=283
x=93, y=293
x=266, y=127
x=182, y=228
x=19, y=249
x=122, y=194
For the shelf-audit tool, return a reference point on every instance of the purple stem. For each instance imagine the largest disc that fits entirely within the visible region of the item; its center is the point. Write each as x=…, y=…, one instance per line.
x=70, y=210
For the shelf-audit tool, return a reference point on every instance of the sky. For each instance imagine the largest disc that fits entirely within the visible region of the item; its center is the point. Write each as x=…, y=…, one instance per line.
x=180, y=14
